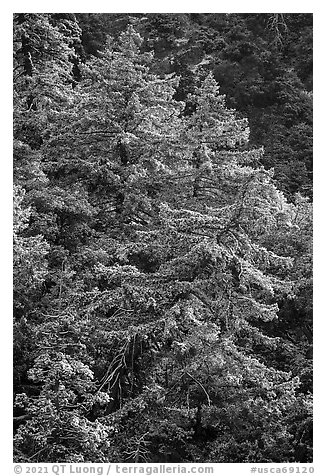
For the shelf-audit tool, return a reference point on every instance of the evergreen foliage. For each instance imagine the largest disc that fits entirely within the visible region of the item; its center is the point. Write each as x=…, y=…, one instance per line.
x=262, y=62
x=162, y=280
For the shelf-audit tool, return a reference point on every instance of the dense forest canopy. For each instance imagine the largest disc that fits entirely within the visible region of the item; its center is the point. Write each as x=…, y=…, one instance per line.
x=162, y=237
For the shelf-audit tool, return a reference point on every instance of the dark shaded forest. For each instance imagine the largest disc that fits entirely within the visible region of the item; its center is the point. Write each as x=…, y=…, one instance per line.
x=162, y=238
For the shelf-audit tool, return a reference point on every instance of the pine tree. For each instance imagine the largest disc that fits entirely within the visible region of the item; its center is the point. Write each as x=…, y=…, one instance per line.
x=151, y=335
x=200, y=311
